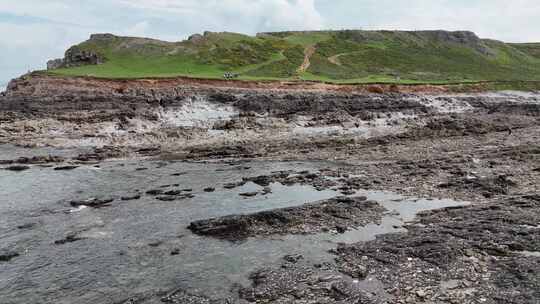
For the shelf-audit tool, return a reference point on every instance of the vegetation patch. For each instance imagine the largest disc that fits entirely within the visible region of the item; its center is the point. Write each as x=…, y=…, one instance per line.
x=347, y=56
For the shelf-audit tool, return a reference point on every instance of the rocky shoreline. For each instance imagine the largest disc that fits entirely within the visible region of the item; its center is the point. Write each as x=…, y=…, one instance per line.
x=482, y=148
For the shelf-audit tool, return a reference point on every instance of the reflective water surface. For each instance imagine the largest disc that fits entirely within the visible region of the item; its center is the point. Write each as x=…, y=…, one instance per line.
x=126, y=248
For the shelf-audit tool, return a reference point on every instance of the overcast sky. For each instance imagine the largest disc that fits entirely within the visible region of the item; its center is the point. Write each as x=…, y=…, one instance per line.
x=33, y=31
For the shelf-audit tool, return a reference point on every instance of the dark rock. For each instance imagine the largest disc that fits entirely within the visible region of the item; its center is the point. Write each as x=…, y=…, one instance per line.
x=179, y=173
x=293, y=258
x=131, y=198
x=155, y=244
x=173, y=192
x=233, y=185
x=249, y=194
x=209, y=189
x=167, y=198
x=263, y=180
x=266, y=190
x=75, y=57
x=341, y=229
x=155, y=192
x=65, y=168
x=26, y=226
x=6, y=256
x=70, y=238
x=17, y=168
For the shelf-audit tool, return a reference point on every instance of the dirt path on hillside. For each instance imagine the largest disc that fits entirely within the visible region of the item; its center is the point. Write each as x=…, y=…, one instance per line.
x=308, y=52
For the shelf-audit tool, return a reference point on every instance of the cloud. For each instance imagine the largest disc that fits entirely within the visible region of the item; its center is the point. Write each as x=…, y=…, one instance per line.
x=513, y=21
x=249, y=16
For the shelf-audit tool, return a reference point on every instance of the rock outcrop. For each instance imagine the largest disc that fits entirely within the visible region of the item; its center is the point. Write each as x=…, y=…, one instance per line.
x=75, y=57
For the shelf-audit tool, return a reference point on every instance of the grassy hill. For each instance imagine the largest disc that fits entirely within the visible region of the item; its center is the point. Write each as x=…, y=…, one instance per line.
x=349, y=56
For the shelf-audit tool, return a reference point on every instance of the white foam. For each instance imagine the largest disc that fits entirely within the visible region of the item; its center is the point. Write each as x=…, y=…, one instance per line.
x=78, y=209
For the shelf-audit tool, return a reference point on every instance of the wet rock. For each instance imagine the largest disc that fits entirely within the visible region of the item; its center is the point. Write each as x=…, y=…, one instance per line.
x=65, y=168
x=131, y=197
x=35, y=160
x=249, y=194
x=6, y=256
x=170, y=198
x=348, y=192
x=17, y=168
x=317, y=180
x=173, y=192
x=179, y=174
x=70, y=238
x=308, y=218
x=92, y=202
x=341, y=229
x=293, y=258
x=233, y=185
x=155, y=244
x=263, y=180
x=155, y=192
x=26, y=226
x=166, y=198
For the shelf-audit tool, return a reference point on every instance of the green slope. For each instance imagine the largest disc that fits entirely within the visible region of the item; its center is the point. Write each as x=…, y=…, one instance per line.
x=340, y=56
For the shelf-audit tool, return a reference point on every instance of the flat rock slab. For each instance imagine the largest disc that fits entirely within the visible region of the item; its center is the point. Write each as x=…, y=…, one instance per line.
x=338, y=213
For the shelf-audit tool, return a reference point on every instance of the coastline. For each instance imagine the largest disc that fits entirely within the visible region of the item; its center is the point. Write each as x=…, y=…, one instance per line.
x=420, y=144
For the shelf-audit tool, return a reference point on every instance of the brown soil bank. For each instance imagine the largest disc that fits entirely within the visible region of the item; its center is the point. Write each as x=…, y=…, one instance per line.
x=48, y=85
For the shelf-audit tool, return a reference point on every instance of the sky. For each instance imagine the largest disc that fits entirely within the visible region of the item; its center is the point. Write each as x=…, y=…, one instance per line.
x=33, y=31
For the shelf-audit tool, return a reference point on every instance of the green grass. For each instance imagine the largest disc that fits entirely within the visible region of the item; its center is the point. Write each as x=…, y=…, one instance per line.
x=364, y=57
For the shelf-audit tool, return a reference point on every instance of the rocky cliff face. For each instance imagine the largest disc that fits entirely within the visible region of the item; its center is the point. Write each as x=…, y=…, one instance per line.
x=75, y=57
x=183, y=114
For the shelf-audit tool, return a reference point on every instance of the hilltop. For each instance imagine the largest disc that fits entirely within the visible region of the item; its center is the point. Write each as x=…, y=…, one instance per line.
x=348, y=56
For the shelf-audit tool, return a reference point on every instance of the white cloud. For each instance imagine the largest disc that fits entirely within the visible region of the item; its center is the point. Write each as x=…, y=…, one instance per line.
x=139, y=29
x=244, y=15
x=516, y=20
